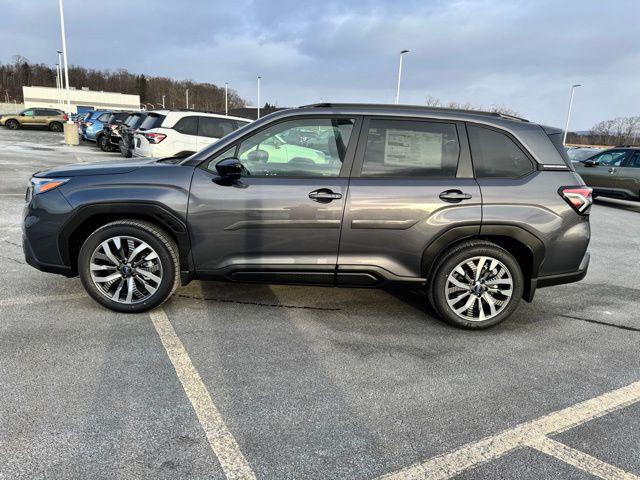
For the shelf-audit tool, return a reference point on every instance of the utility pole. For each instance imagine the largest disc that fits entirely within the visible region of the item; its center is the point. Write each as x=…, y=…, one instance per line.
x=71, y=129
x=400, y=75
x=226, y=98
x=566, y=126
x=259, y=78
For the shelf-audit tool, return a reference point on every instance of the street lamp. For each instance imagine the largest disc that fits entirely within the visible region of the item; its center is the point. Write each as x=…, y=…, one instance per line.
x=259, y=78
x=60, y=79
x=566, y=126
x=400, y=75
x=186, y=93
x=226, y=98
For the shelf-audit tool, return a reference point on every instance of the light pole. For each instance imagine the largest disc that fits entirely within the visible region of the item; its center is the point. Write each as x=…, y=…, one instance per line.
x=259, y=78
x=163, y=102
x=186, y=92
x=66, y=63
x=226, y=98
x=566, y=126
x=400, y=75
x=60, y=78
x=58, y=83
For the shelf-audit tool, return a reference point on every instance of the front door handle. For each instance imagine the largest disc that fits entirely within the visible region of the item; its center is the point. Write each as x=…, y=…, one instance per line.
x=324, y=195
x=454, y=196
x=612, y=170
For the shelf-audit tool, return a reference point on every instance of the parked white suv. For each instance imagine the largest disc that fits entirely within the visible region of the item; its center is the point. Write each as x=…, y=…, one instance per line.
x=166, y=133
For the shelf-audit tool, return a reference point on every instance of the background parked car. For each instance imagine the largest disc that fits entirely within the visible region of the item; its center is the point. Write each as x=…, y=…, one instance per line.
x=127, y=129
x=167, y=133
x=93, y=124
x=109, y=139
x=51, y=118
x=613, y=173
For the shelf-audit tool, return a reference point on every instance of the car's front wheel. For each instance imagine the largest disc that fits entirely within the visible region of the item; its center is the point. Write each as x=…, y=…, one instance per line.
x=476, y=285
x=129, y=265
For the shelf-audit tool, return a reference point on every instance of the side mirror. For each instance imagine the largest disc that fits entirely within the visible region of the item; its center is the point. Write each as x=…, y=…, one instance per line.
x=590, y=163
x=229, y=169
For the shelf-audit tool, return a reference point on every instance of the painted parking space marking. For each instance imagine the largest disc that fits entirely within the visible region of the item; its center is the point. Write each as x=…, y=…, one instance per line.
x=580, y=460
x=490, y=448
x=222, y=442
x=8, y=302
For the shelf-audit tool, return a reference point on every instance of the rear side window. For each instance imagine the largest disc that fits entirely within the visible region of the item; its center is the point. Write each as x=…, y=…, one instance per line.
x=403, y=148
x=104, y=117
x=215, y=127
x=495, y=155
x=187, y=125
x=153, y=120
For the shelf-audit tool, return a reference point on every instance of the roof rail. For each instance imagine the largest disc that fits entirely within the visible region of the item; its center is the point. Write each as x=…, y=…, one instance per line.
x=412, y=107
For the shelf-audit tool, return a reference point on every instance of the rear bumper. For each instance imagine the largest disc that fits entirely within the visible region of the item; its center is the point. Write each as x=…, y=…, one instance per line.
x=559, y=279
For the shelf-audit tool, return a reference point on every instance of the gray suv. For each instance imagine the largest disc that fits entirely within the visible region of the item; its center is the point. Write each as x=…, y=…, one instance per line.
x=475, y=209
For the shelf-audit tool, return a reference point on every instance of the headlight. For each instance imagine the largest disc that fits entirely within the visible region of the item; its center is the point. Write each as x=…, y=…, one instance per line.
x=41, y=185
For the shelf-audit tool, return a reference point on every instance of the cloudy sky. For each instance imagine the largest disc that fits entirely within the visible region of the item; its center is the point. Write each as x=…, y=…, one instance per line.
x=523, y=54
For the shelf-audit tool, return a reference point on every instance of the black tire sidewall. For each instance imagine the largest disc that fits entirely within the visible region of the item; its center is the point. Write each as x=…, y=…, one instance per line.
x=55, y=127
x=437, y=293
x=12, y=124
x=167, y=260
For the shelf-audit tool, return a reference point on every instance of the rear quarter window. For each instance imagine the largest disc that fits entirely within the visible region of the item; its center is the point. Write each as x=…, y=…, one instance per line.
x=496, y=155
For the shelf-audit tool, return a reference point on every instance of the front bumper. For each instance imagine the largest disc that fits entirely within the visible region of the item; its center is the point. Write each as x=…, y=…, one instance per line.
x=559, y=279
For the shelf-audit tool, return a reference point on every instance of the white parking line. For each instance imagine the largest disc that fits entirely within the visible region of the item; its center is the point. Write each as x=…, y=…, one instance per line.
x=222, y=443
x=490, y=448
x=7, y=302
x=580, y=460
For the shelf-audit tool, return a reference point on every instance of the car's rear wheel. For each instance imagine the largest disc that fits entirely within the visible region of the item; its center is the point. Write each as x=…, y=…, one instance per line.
x=101, y=141
x=12, y=124
x=476, y=285
x=55, y=126
x=129, y=266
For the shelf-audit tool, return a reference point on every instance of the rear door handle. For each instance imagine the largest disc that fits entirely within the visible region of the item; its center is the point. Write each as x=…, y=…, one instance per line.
x=324, y=195
x=454, y=196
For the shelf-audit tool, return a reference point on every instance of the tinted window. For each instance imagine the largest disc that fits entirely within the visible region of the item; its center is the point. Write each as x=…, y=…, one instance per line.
x=403, y=148
x=611, y=159
x=153, y=120
x=297, y=148
x=187, y=125
x=104, y=117
x=28, y=113
x=634, y=161
x=215, y=127
x=495, y=155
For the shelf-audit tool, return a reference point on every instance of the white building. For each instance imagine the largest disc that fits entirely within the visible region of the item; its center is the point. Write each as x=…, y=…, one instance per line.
x=81, y=100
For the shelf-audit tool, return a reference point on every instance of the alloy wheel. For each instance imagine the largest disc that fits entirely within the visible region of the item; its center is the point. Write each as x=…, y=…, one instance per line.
x=479, y=288
x=125, y=269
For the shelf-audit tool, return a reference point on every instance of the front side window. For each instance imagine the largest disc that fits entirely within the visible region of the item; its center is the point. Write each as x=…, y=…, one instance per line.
x=495, y=155
x=187, y=125
x=29, y=113
x=610, y=159
x=297, y=148
x=407, y=148
x=215, y=127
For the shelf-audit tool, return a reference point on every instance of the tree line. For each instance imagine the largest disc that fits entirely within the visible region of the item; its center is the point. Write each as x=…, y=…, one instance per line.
x=617, y=131
x=202, y=96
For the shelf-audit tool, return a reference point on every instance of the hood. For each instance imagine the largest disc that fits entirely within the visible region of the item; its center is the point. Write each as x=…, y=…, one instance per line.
x=109, y=167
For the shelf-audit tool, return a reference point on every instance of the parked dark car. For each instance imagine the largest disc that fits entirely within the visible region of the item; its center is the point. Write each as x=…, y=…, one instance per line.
x=127, y=131
x=613, y=173
x=109, y=139
x=449, y=202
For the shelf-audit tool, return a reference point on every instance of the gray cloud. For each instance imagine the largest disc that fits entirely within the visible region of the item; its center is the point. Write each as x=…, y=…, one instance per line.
x=522, y=54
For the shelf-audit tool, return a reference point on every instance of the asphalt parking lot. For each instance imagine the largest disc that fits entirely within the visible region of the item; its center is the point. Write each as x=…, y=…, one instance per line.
x=268, y=381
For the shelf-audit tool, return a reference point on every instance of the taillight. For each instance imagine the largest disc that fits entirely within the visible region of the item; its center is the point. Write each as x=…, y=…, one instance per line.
x=154, y=137
x=65, y=117
x=580, y=198
x=88, y=124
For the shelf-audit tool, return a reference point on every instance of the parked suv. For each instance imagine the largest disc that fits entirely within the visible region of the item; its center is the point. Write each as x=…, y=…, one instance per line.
x=93, y=123
x=450, y=202
x=167, y=133
x=127, y=131
x=50, y=118
x=613, y=173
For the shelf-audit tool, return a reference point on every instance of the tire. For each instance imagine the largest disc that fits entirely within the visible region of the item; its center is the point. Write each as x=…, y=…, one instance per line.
x=479, y=305
x=55, y=127
x=12, y=124
x=101, y=142
x=160, y=266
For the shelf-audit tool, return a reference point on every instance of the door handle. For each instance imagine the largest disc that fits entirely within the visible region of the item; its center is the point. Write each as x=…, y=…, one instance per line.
x=612, y=170
x=324, y=195
x=454, y=196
